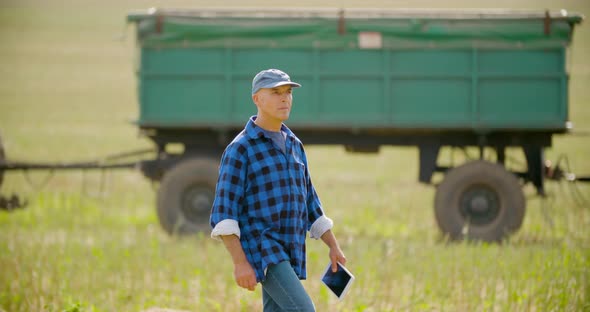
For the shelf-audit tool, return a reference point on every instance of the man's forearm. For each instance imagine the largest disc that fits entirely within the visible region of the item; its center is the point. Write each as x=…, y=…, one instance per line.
x=232, y=244
x=336, y=255
x=329, y=239
x=243, y=271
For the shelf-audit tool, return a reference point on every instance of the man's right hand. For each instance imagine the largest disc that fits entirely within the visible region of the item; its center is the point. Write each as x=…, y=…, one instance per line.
x=245, y=276
x=243, y=271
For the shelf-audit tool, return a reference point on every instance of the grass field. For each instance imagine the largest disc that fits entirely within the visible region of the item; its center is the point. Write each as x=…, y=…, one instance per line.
x=91, y=242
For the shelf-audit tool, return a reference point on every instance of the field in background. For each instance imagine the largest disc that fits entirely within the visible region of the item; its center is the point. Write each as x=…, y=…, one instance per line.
x=92, y=241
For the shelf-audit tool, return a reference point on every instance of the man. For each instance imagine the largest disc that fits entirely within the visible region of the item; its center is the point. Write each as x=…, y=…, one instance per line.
x=265, y=201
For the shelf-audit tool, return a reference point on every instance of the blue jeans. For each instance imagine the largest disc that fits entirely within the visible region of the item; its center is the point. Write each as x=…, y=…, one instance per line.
x=282, y=290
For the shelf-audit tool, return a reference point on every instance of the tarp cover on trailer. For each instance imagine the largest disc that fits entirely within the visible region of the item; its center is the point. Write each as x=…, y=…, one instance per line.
x=353, y=28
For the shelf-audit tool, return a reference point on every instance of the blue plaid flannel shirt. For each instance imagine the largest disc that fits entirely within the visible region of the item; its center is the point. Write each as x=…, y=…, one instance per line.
x=271, y=197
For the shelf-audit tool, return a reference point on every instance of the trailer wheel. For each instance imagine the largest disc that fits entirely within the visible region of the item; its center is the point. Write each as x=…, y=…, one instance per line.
x=186, y=195
x=479, y=200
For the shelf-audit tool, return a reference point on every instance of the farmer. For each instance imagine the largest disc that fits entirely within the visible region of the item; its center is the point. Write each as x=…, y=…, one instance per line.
x=265, y=201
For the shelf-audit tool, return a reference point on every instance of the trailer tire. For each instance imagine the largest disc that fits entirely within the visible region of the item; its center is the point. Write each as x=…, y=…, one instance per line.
x=186, y=195
x=479, y=200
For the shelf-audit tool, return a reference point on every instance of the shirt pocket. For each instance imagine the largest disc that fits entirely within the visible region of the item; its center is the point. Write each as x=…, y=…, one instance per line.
x=299, y=177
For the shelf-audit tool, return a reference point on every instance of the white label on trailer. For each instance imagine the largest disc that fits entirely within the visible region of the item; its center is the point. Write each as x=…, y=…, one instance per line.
x=370, y=40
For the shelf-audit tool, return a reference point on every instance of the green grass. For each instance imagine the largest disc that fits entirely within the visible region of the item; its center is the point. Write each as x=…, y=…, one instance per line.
x=67, y=92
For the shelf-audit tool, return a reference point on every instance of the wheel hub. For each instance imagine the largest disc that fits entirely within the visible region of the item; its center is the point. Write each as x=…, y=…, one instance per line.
x=480, y=205
x=196, y=203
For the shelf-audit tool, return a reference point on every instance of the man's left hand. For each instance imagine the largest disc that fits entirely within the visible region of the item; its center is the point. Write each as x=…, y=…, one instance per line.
x=336, y=255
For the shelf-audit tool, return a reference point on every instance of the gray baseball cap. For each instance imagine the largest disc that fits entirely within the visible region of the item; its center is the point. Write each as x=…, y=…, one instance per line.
x=271, y=78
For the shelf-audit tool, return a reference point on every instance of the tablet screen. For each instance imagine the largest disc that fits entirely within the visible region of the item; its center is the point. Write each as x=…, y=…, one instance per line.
x=337, y=281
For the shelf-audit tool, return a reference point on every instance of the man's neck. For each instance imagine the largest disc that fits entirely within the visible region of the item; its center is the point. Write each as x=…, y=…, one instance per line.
x=269, y=125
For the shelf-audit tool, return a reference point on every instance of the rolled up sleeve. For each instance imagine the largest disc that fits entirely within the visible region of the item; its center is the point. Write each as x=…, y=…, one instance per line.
x=228, y=193
x=226, y=227
x=318, y=223
x=320, y=226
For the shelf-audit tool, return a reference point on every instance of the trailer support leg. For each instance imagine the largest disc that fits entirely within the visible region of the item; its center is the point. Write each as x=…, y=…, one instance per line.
x=501, y=154
x=428, y=156
x=535, y=159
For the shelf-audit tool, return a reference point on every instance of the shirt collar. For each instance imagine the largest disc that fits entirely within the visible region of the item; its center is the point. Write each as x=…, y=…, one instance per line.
x=254, y=131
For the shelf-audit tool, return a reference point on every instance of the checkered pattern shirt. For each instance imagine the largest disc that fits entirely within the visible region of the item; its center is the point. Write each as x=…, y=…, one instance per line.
x=266, y=198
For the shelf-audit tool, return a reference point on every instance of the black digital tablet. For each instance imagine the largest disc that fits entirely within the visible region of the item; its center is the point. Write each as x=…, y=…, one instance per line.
x=338, y=282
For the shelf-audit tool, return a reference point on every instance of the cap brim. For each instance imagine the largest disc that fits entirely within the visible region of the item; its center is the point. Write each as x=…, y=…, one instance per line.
x=281, y=83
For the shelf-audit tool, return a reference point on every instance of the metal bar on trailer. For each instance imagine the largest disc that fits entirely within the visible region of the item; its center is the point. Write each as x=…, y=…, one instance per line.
x=109, y=162
x=71, y=166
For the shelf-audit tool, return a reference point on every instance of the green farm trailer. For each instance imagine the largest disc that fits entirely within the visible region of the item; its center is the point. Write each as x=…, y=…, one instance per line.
x=489, y=79
x=486, y=79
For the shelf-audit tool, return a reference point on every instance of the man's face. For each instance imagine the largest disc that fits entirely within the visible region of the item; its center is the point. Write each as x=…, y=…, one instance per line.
x=274, y=104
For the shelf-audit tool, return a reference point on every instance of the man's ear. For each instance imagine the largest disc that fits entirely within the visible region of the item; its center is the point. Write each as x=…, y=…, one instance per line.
x=255, y=98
